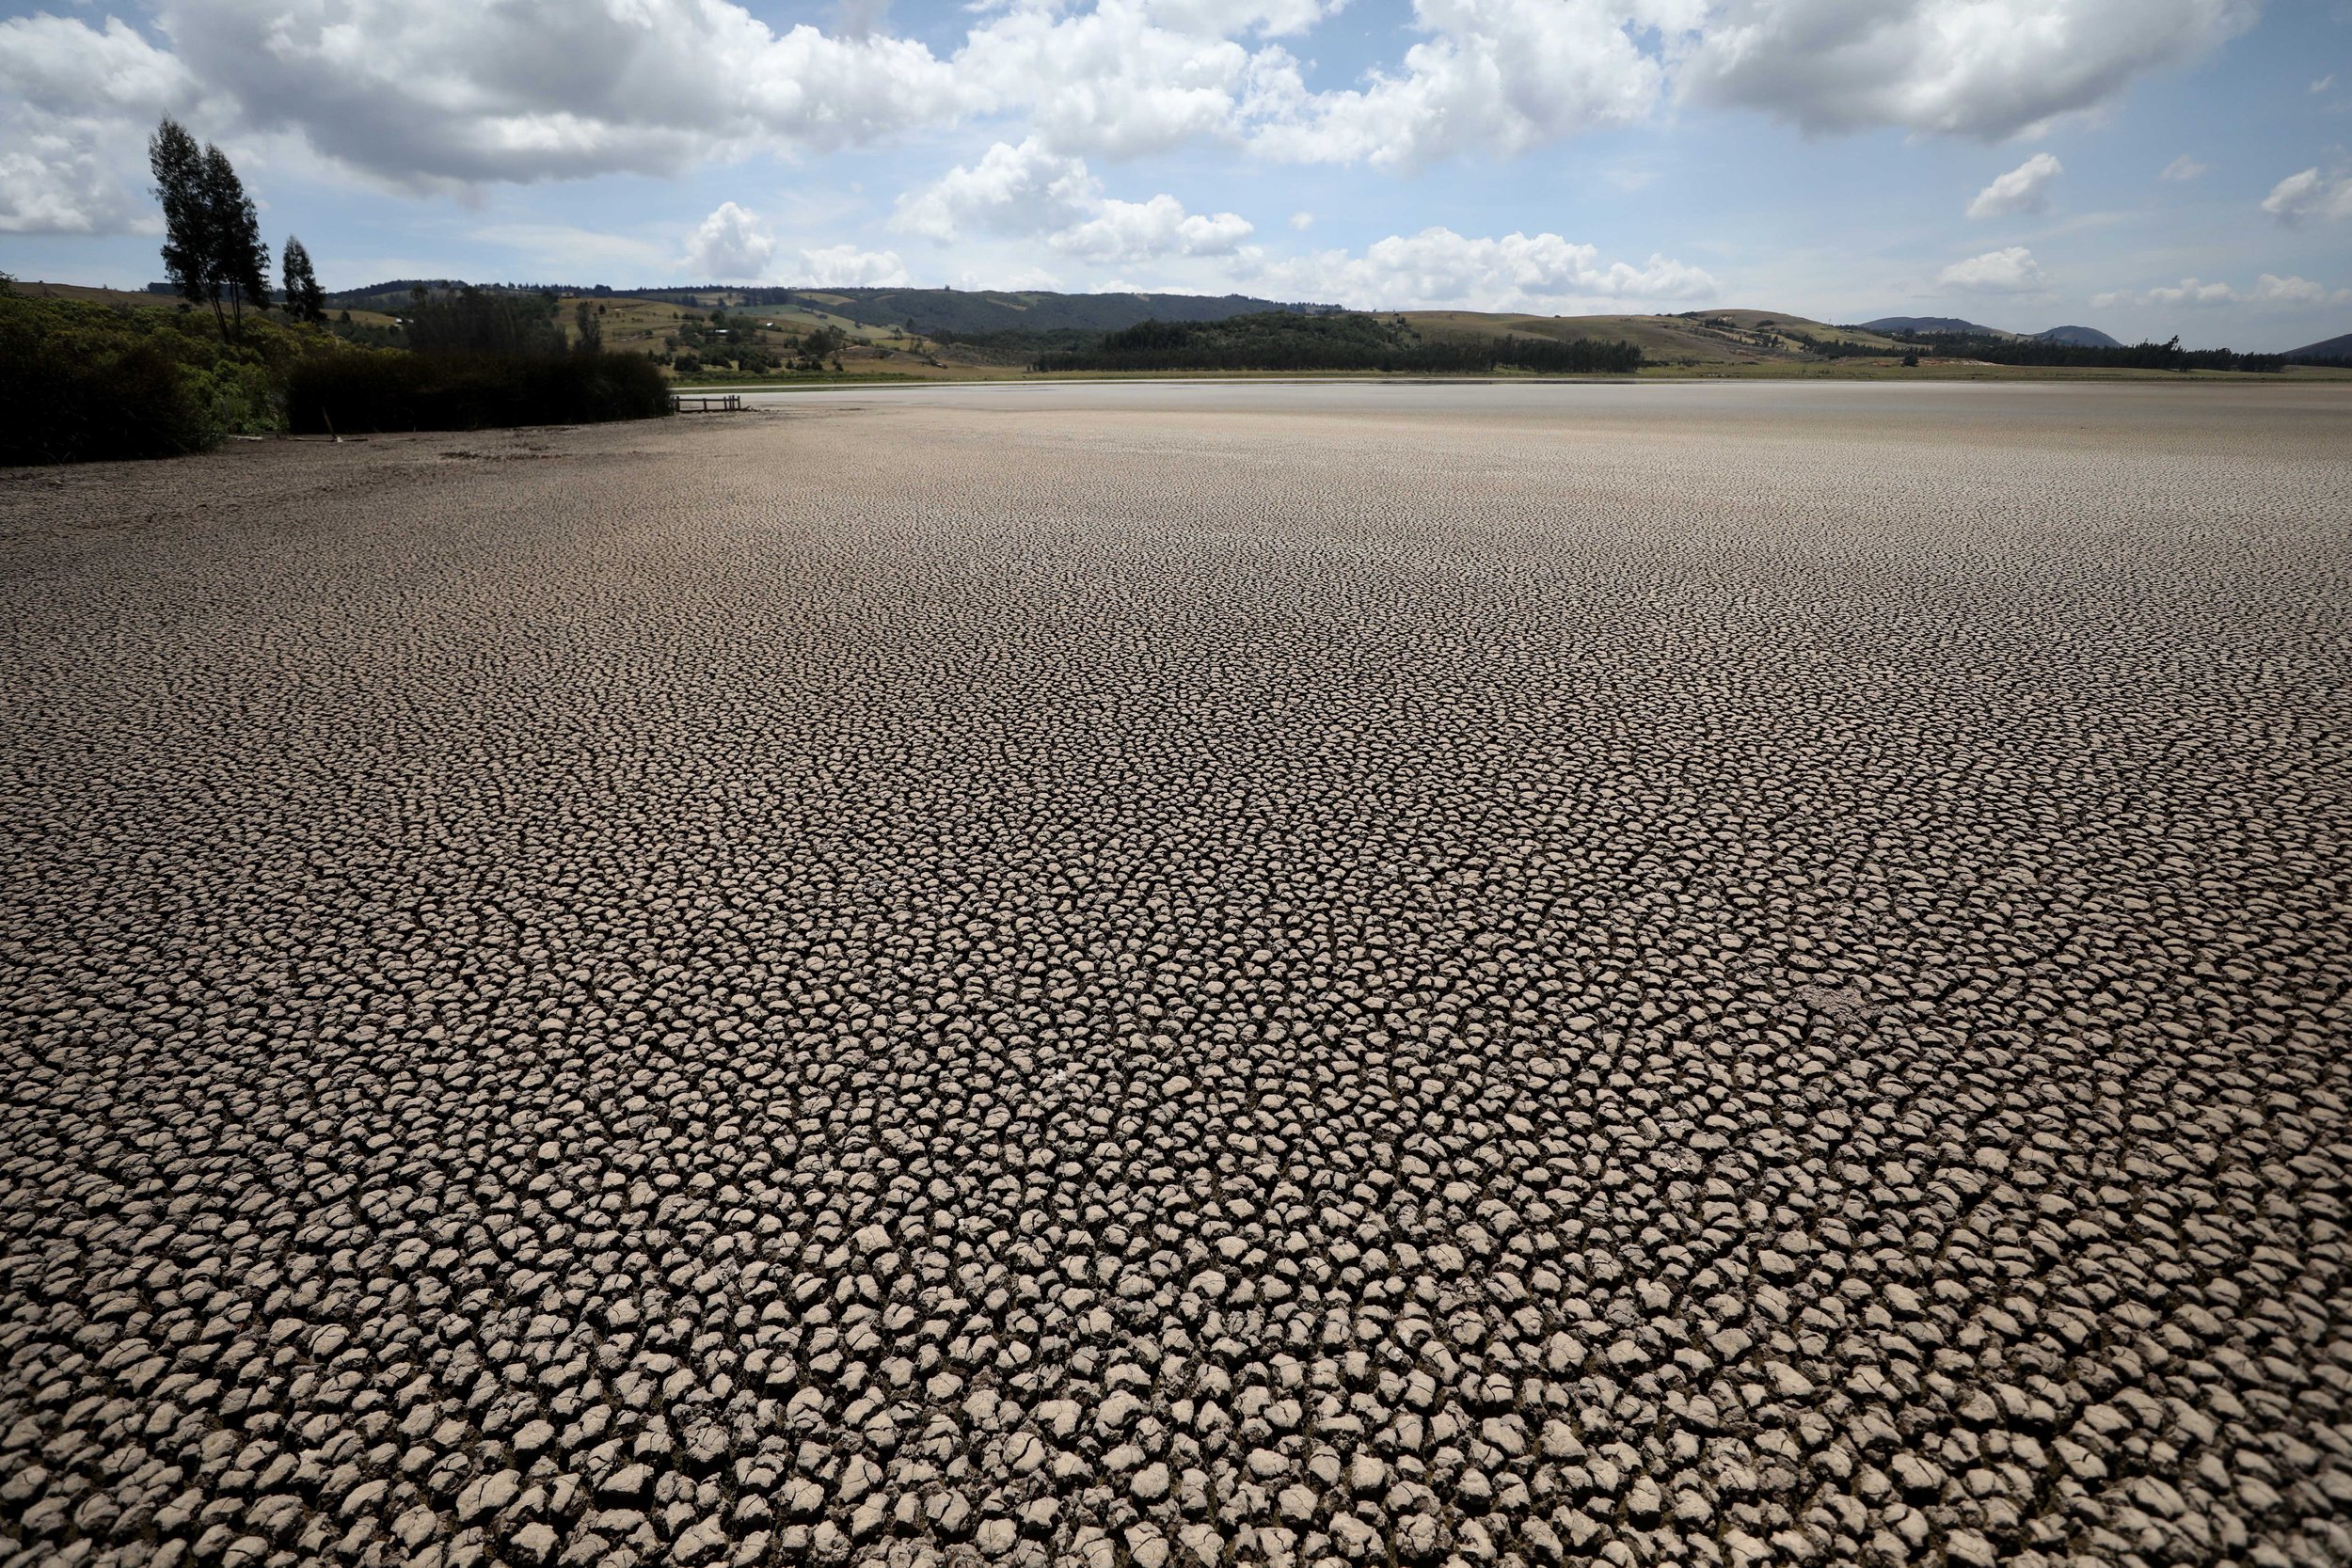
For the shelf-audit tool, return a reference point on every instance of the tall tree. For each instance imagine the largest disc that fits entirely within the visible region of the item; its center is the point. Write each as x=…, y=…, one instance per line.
x=304, y=296
x=242, y=258
x=212, y=234
x=190, y=246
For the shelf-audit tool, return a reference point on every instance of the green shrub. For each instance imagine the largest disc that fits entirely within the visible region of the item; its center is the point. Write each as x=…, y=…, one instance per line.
x=66, y=401
x=355, y=393
x=82, y=381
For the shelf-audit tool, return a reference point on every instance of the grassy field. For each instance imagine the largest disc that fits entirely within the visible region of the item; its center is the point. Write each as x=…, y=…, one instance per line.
x=870, y=353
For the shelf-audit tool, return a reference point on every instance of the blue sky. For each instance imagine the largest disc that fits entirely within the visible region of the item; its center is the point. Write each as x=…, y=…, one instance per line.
x=2146, y=166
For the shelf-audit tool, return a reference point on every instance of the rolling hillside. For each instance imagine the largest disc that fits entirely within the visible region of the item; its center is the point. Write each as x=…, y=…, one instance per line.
x=960, y=310
x=2331, y=351
x=1938, y=323
x=1699, y=337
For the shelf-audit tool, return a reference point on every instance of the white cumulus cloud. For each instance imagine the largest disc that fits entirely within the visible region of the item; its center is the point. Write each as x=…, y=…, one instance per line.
x=2269, y=289
x=418, y=90
x=2023, y=189
x=76, y=104
x=1141, y=230
x=1438, y=267
x=2009, y=271
x=729, y=244
x=427, y=93
x=1031, y=189
x=2311, y=195
x=1011, y=190
x=845, y=266
x=1110, y=80
x=1496, y=76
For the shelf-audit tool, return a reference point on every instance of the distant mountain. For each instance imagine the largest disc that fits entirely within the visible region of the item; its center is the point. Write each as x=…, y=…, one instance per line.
x=2082, y=337
x=2334, y=351
x=1933, y=324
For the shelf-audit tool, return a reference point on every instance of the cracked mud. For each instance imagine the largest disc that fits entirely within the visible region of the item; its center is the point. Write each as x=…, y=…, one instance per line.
x=1188, y=975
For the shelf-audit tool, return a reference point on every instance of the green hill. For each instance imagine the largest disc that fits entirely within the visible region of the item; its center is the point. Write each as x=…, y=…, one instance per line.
x=1726, y=337
x=961, y=312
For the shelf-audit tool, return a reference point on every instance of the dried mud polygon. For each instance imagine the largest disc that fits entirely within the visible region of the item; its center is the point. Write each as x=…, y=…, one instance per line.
x=1273, y=976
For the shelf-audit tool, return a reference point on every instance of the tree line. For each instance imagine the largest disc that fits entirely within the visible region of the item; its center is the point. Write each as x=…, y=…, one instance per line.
x=1287, y=341
x=2168, y=356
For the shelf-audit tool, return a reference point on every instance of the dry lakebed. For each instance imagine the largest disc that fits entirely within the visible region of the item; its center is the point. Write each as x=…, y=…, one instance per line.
x=1353, y=973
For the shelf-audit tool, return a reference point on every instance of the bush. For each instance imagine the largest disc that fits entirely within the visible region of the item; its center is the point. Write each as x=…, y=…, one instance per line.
x=64, y=403
x=360, y=392
x=81, y=382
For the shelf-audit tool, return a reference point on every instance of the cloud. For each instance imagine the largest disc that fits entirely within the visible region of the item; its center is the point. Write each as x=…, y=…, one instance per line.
x=424, y=90
x=2184, y=167
x=1493, y=77
x=2012, y=270
x=845, y=266
x=2311, y=195
x=1032, y=190
x=1141, y=231
x=2023, y=189
x=76, y=104
x=51, y=185
x=2323, y=84
x=426, y=93
x=730, y=243
x=1109, y=80
x=2272, y=289
x=1987, y=69
x=1013, y=190
x=2269, y=289
x=1438, y=267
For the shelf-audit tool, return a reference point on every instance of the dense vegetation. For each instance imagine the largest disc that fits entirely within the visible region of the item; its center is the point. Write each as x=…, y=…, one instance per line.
x=1018, y=346
x=482, y=358
x=2050, y=352
x=482, y=322
x=1285, y=340
x=1839, y=348
x=84, y=382
x=358, y=393
x=719, y=345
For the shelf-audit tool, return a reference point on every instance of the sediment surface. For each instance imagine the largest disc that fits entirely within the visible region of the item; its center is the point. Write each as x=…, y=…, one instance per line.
x=1149, y=976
